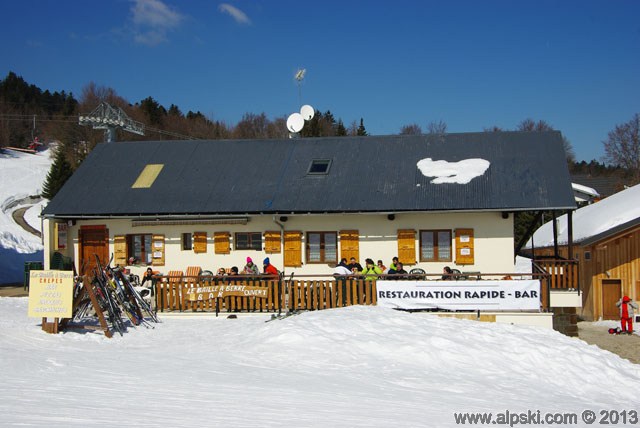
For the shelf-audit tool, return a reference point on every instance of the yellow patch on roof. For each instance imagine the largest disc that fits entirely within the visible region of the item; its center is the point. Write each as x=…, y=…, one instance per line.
x=147, y=176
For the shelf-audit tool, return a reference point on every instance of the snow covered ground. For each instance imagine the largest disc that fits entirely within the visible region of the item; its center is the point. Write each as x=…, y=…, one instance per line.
x=21, y=176
x=350, y=367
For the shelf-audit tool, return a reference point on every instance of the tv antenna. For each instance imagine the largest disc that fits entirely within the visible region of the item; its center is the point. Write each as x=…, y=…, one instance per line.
x=299, y=76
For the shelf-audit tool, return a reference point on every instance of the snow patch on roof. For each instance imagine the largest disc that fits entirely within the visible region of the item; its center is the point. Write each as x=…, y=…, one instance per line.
x=593, y=219
x=585, y=190
x=461, y=172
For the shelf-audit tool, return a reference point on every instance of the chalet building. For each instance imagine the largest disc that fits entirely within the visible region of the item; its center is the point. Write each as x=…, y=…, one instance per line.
x=433, y=201
x=606, y=246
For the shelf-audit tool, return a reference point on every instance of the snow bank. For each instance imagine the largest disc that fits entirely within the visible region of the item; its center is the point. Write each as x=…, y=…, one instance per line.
x=351, y=367
x=22, y=176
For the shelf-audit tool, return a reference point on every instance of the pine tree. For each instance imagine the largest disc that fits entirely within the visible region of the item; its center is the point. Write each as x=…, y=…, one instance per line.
x=361, y=130
x=58, y=174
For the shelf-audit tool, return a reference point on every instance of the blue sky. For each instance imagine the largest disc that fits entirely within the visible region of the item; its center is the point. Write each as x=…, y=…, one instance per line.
x=471, y=64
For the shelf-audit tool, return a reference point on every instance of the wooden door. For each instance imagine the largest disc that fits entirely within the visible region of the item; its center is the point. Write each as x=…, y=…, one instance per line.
x=611, y=293
x=94, y=240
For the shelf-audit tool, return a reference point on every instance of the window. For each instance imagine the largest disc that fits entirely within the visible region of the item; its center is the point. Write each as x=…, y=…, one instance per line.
x=187, y=241
x=435, y=245
x=322, y=247
x=139, y=246
x=319, y=167
x=249, y=241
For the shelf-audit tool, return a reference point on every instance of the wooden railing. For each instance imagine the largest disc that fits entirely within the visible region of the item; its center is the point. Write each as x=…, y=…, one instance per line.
x=563, y=274
x=174, y=294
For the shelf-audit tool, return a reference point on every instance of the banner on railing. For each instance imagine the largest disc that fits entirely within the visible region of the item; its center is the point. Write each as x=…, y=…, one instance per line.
x=215, y=291
x=503, y=295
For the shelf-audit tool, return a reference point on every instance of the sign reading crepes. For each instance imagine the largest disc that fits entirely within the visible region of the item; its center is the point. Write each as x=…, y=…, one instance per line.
x=51, y=294
x=503, y=295
x=224, y=290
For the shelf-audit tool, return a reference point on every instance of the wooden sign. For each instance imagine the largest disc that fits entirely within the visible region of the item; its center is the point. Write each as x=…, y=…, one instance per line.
x=51, y=294
x=224, y=290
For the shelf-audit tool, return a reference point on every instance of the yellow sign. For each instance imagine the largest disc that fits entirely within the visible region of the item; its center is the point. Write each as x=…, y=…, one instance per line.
x=51, y=294
x=215, y=291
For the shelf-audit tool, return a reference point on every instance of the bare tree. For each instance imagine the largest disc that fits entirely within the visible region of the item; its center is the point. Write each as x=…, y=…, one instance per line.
x=438, y=127
x=529, y=125
x=412, y=129
x=622, y=147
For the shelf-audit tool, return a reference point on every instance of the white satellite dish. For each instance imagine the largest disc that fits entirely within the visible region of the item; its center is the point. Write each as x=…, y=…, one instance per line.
x=295, y=122
x=307, y=112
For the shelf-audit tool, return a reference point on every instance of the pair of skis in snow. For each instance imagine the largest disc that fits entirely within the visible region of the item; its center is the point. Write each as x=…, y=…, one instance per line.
x=288, y=314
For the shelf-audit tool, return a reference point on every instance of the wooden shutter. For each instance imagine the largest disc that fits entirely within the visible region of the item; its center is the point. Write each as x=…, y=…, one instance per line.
x=292, y=249
x=221, y=243
x=199, y=242
x=272, y=242
x=465, y=254
x=349, y=244
x=120, y=250
x=157, y=248
x=407, y=246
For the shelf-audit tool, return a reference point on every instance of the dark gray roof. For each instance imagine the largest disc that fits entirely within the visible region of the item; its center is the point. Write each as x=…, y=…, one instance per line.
x=368, y=174
x=604, y=185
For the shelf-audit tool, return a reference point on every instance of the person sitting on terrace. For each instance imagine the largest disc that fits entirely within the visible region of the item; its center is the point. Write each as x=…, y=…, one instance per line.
x=371, y=271
x=354, y=266
x=269, y=269
x=234, y=270
x=447, y=273
x=342, y=269
x=148, y=276
x=250, y=268
x=394, y=263
x=222, y=272
x=382, y=267
x=399, y=270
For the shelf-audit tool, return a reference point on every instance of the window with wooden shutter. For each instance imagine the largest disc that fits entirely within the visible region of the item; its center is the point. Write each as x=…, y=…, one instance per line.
x=407, y=246
x=465, y=254
x=349, y=244
x=435, y=245
x=120, y=250
x=292, y=249
x=221, y=243
x=158, y=250
x=322, y=247
x=199, y=242
x=272, y=242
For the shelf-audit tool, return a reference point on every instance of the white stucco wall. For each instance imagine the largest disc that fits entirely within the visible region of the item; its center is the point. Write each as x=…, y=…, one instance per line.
x=493, y=238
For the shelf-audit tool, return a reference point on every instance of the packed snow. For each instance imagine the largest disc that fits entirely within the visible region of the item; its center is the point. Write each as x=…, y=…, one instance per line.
x=21, y=178
x=360, y=366
x=461, y=172
x=592, y=220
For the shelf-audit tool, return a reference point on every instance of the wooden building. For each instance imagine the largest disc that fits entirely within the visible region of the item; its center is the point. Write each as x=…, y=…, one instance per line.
x=606, y=238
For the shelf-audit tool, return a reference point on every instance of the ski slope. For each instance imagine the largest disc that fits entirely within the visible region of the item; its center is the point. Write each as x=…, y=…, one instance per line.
x=21, y=176
x=351, y=367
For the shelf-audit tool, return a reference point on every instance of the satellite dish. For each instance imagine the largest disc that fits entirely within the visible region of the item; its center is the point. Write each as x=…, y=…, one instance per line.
x=295, y=122
x=307, y=112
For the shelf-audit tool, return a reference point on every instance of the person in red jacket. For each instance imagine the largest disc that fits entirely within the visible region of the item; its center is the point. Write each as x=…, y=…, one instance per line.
x=269, y=269
x=626, y=306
